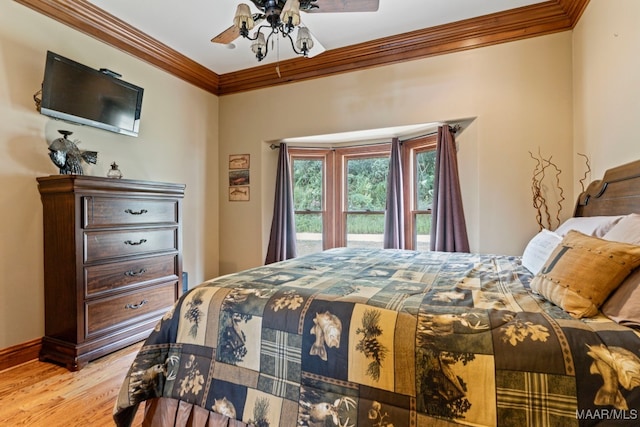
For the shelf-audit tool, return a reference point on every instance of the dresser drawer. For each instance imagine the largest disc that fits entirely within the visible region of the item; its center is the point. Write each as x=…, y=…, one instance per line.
x=99, y=245
x=103, y=278
x=108, y=313
x=99, y=211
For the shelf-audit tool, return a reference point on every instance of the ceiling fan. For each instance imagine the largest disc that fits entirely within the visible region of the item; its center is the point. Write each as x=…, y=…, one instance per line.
x=282, y=18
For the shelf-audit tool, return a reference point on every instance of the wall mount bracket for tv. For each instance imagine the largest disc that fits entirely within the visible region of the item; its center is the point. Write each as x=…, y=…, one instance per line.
x=108, y=72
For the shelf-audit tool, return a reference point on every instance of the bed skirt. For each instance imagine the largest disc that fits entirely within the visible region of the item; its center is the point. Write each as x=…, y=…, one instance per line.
x=166, y=412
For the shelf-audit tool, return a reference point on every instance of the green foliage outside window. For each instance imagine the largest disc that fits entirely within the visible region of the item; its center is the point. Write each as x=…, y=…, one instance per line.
x=426, y=168
x=307, y=185
x=366, y=184
x=308, y=223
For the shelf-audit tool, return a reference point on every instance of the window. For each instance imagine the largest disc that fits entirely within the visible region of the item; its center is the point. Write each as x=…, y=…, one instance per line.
x=340, y=195
x=362, y=193
x=419, y=173
x=312, y=172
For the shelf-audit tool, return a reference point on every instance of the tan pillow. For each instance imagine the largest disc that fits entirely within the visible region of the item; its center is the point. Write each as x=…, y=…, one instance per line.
x=582, y=271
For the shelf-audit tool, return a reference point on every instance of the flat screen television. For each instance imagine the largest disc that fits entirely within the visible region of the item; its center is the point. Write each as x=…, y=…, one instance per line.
x=79, y=94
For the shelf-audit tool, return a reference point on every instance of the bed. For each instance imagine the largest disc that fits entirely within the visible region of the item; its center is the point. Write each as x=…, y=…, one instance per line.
x=359, y=337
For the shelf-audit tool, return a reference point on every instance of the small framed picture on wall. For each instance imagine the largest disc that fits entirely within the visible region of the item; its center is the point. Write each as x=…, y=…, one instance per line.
x=239, y=193
x=239, y=177
x=239, y=161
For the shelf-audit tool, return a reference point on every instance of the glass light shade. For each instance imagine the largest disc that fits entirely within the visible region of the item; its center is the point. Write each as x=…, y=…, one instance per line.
x=291, y=10
x=260, y=43
x=243, y=14
x=304, y=36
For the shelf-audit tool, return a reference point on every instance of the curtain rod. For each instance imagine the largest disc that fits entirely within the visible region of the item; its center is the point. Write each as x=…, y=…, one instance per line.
x=328, y=147
x=455, y=128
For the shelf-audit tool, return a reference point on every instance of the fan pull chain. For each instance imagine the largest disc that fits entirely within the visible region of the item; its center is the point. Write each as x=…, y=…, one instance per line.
x=278, y=59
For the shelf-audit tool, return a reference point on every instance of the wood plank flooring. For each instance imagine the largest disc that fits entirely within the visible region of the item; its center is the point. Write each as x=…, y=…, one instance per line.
x=43, y=394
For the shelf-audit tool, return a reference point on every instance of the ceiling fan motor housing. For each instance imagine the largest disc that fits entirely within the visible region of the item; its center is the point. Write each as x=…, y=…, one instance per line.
x=272, y=11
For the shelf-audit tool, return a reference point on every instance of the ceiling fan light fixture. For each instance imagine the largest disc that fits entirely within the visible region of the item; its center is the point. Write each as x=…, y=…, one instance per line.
x=290, y=14
x=281, y=18
x=243, y=19
x=304, y=42
x=259, y=45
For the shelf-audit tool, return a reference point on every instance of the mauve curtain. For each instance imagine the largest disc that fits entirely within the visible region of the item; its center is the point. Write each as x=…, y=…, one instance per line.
x=394, y=214
x=282, y=241
x=448, y=227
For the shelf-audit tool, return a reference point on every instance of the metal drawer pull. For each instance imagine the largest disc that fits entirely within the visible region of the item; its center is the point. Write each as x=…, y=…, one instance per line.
x=129, y=242
x=136, y=306
x=132, y=273
x=140, y=212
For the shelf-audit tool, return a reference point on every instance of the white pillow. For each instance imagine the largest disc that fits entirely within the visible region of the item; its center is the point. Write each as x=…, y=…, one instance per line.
x=627, y=230
x=596, y=226
x=538, y=250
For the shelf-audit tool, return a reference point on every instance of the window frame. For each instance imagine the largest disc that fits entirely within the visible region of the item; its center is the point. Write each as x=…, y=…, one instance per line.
x=327, y=157
x=410, y=173
x=334, y=169
x=344, y=155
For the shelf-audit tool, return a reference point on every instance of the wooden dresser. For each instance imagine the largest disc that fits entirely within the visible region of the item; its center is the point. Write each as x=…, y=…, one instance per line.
x=112, y=263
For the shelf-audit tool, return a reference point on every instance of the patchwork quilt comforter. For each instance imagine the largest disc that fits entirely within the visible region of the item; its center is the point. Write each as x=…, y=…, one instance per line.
x=357, y=337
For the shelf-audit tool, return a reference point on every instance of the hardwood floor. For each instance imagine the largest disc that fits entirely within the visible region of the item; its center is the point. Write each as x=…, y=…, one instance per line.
x=43, y=394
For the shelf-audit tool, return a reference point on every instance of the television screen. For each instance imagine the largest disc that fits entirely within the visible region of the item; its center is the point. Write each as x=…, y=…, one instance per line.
x=82, y=95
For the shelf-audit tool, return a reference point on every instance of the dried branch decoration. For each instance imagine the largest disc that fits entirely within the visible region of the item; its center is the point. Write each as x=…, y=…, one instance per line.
x=586, y=172
x=538, y=189
x=540, y=203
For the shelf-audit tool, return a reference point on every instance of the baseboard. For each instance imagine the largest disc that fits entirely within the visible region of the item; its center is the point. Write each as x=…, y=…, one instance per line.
x=21, y=353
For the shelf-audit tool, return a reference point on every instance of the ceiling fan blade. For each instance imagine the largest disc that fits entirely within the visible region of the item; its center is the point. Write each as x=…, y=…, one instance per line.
x=330, y=6
x=232, y=33
x=227, y=36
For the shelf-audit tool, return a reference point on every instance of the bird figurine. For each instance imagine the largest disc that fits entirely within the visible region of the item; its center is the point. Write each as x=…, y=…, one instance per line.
x=66, y=155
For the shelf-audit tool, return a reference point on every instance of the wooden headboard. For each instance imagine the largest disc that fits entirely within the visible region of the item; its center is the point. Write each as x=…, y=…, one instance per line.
x=617, y=193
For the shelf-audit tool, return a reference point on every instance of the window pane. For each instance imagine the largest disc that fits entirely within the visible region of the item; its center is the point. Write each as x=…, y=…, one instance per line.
x=307, y=200
x=423, y=232
x=307, y=184
x=425, y=170
x=308, y=233
x=365, y=230
x=367, y=184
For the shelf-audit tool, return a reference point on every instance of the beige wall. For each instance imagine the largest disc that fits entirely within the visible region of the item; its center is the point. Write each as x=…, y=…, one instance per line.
x=523, y=96
x=607, y=83
x=519, y=93
x=177, y=143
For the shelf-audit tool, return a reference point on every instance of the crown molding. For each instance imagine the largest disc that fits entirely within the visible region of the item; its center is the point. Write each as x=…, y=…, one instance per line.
x=573, y=9
x=516, y=24
x=511, y=25
x=91, y=20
